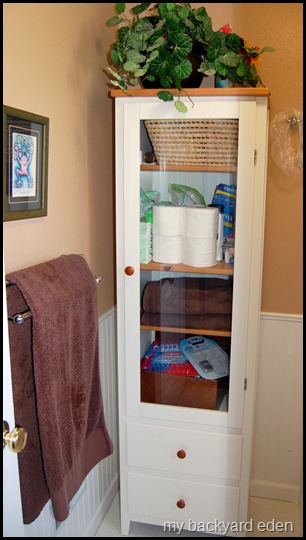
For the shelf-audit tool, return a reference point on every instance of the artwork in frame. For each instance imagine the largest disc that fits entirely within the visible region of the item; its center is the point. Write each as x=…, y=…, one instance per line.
x=25, y=164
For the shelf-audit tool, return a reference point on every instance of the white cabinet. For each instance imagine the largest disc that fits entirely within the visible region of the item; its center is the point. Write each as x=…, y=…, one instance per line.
x=185, y=439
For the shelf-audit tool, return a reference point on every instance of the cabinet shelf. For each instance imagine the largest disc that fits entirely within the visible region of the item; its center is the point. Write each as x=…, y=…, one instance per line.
x=197, y=331
x=190, y=168
x=220, y=268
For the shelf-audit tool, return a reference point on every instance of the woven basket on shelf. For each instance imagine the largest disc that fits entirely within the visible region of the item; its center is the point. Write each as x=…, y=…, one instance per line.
x=194, y=142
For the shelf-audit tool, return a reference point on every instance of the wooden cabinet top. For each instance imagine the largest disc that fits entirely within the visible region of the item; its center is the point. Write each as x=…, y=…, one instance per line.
x=195, y=92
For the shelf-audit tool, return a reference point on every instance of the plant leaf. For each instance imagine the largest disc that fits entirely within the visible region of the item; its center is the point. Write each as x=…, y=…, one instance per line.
x=130, y=66
x=256, y=51
x=153, y=55
x=221, y=69
x=213, y=49
x=182, y=47
x=161, y=66
x=180, y=106
x=183, y=12
x=244, y=71
x=165, y=96
x=120, y=8
x=158, y=43
x=207, y=31
x=184, y=69
x=114, y=57
x=140, y=72
x=113, y=73
x=209, y=72
x=136, y=57
x=230, y=59
x=207, y=68
x=135, y=41
x=166, y=81
x=163, y=9
x=122, y=33
x=140, y=8
x=233, y=42
x=113, y=21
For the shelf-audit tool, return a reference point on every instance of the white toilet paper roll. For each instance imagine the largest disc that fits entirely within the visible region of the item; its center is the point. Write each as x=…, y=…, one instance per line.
x=167, y=249
x=168, y=220
x=199, y=251
x=201, y=222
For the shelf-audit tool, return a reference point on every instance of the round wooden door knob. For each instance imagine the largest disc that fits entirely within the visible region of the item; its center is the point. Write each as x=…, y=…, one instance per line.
x=181, y=454
x=180, y=503
x=129, y=270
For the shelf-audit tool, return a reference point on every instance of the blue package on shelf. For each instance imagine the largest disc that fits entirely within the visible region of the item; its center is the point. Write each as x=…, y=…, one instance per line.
x=226, y=195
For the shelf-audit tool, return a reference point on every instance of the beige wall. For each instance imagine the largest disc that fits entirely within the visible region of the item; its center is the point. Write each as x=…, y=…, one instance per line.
x=53, y=60
x=54, y=55
x=279, y=26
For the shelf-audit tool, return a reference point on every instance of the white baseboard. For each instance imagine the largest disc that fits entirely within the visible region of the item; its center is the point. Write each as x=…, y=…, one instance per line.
x=101, y=511
x=274, y=490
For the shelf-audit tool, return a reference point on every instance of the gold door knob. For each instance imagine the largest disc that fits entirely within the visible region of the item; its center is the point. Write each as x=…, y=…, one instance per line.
x=16, y=440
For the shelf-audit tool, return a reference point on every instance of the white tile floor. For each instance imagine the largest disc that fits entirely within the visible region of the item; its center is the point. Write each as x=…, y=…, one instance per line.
x=286, y=515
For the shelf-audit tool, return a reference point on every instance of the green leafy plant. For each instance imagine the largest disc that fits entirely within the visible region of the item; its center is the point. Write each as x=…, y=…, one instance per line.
x=229, y=56
x=155, y=47
x=154, y=44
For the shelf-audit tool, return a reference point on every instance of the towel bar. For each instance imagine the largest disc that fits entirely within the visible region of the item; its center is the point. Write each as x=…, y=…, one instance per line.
x=20, y=318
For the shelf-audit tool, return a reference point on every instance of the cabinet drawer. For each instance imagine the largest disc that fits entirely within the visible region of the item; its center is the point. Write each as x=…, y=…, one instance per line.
x=210, y=454
x=156, y=498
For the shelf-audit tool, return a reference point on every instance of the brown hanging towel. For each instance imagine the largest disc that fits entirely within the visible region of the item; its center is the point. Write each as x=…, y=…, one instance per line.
x=56, y=381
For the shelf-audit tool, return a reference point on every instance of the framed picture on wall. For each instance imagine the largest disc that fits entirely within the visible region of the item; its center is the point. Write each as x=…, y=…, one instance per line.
x=25, y=164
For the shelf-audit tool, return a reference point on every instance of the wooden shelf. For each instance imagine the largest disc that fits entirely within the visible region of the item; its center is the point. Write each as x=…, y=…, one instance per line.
x=190, y=168
x=201, y=332
x=220, y=268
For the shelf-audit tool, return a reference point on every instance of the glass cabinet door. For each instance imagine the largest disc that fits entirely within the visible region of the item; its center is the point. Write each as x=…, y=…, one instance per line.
x=191, y=214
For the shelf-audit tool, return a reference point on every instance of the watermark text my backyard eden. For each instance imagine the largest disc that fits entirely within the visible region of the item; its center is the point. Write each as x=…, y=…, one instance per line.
x=224, y=528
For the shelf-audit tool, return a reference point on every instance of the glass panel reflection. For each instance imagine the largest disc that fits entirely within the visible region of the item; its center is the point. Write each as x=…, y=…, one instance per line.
x=187, y=232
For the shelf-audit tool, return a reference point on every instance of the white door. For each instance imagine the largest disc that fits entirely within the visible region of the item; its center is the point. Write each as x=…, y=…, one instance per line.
x=12, y=512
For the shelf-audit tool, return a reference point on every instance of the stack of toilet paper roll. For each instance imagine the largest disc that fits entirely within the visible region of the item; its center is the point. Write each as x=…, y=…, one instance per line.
x=185, y=234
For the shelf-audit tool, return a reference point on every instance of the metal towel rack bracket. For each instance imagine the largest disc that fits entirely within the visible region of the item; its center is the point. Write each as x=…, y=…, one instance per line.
x=20, y=318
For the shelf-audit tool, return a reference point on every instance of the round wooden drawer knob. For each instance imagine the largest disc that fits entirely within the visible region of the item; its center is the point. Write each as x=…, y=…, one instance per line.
x=129, y=270
x=181, y=454
x=180, y=503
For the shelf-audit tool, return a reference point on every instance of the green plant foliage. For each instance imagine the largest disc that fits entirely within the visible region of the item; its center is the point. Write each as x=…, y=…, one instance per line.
x=155, y=41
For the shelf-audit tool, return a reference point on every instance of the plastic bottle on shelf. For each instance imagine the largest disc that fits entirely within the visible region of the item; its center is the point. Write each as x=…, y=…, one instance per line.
x=229, y=250
x=220, y=238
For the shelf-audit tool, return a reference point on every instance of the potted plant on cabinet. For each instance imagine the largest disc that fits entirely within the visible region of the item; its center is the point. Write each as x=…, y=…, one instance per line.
x=230, y=58
x=161, y=46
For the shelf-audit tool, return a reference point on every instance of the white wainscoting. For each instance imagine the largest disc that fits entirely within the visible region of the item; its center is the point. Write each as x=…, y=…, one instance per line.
x=94, y=497
x=277, y=450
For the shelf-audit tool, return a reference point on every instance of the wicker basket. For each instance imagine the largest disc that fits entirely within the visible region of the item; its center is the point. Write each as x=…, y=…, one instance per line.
x=194, y=142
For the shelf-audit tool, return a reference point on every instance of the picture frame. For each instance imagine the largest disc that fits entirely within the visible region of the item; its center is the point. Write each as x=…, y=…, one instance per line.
x=25, y=164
